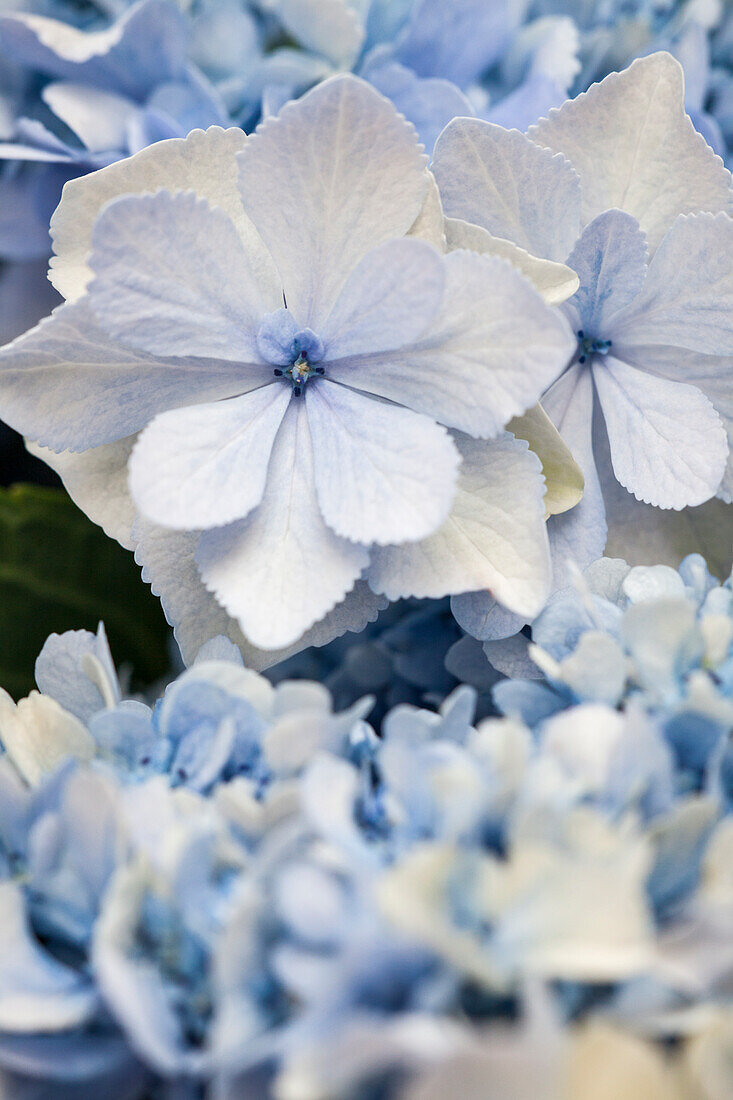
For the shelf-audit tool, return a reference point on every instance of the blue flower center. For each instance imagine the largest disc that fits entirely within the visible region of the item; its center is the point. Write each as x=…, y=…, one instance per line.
x=588, y=346
x=293, y=352
x=302, y=367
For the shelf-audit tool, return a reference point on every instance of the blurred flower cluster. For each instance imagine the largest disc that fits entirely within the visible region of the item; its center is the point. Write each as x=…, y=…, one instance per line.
x=239, y=892
x=649, y=640
x=84, y=83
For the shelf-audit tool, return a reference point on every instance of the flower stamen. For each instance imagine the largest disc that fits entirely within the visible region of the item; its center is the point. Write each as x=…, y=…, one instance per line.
x=299, y=371
x=591, y=345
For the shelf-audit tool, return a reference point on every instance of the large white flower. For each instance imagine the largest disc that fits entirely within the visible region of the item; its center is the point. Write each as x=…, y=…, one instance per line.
x=618, y=185
x=258, y=336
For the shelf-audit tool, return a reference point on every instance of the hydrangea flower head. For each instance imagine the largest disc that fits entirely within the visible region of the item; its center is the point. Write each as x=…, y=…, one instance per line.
x=311, y=904
x=306, y=374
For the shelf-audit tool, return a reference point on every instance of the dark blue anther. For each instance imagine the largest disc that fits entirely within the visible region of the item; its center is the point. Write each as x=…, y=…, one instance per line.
x=591, y=345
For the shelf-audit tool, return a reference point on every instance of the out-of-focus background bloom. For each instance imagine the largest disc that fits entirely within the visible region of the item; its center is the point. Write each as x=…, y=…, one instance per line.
x=239, y=889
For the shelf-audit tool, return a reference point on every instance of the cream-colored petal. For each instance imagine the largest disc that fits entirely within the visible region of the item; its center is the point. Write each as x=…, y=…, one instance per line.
x=564, y=481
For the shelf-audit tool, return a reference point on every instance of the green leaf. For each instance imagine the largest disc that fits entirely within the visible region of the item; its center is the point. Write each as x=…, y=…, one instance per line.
x=58, y=571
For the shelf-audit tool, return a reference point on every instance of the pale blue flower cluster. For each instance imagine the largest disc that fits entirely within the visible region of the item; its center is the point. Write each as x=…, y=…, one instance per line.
x=649, y=640
x=239, y=892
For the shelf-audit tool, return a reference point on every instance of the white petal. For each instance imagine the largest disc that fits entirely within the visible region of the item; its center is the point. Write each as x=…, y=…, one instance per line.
x=77, y=670
x=206, y=466
x=710, y=373
x=169, y=566
x=644, y=535
x=507, y=184
x=483, y=618
x=359, y=607
x=555, y=282
x=281, y=569
x=38, y=735
x=634, y=147
x=492, y=350
x=494, y=537
x=687, y=299
x=429, y=224
x=668, y=445
x=388, y=300
x=335, y=174
x=383, y=474
x=67, y=384
x=577, y=537
x=99, y=119
x=96, y=481
x=610, y=259
x=203, y=162
x=563, y=477
x=172, y=277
